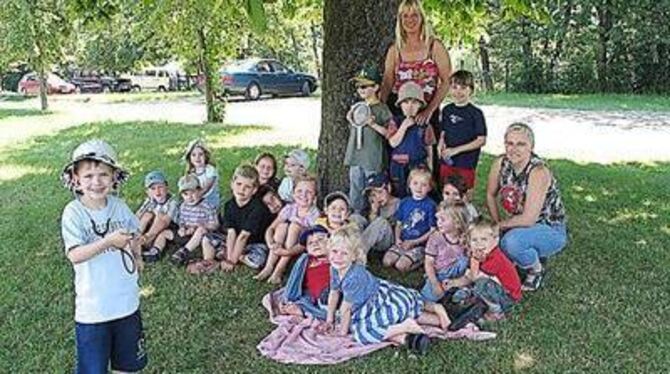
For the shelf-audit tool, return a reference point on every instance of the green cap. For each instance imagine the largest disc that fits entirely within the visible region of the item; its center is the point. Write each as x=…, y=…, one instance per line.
x=368, y=75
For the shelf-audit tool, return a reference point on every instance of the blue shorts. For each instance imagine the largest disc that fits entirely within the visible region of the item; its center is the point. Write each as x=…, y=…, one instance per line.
x=120, y=342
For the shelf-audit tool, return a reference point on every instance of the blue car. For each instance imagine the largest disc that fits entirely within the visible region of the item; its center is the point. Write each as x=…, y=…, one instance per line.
x=255, y=77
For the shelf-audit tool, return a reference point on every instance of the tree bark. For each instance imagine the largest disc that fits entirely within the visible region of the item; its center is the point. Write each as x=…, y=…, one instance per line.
x=486, y=64
x=314, y=29
x=207, y=72
x=604, y=28
x=354, y=34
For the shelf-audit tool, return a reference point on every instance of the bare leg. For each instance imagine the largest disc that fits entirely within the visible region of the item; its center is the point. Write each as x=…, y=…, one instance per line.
x=292, y=235
x=390, y=259
x=278, y=273
x=404, y=264
x=269, y=267
x=208, y=250
x=196, y=239
x=163, y=238
x=145, y=221
x=408, y=326
x=435, y=314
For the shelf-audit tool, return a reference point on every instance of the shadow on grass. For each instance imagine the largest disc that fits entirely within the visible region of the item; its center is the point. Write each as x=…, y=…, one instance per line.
x=5, y=113
x=587, y=318
x=15, y=97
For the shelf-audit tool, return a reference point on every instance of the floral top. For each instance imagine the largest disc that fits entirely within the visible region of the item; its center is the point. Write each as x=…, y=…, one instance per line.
x=512, y=188
x=424, y=72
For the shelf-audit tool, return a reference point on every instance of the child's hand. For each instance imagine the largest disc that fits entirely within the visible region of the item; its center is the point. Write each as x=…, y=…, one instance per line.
x=325, y=328
x=189, y=230
x=281, y=251
x=139, y=263
x=181, y=231
x=448, y=152
x=350, y=114
x=371, y=121
x=408, y=122
x=119, y=239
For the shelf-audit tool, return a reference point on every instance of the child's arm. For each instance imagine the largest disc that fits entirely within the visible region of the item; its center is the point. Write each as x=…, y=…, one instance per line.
x=398, y=230
x=231, y=239
x=420, y=240
x=238, y=246
x=441, y=145
x=429, y=158
x=118, y=239
x=333, y=298
x=479, y=142
x=345, y=321
x=398, y=136
x=429, y=265
x=381, y=130
x=270, y=232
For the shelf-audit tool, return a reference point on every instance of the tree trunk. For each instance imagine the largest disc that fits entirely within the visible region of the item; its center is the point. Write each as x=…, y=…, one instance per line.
x=44, y=105
x=486, y=64
x=354, y=34
x=208, y=79
x=604, y=27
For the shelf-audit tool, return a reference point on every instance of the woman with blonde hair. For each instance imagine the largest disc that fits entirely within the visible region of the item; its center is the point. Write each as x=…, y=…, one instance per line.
x=416, y=56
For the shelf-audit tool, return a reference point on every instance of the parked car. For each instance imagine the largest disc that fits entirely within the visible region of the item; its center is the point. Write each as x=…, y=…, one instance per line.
x=255, y=77
x=156, y=79
x=87, y=81
x=30, y=84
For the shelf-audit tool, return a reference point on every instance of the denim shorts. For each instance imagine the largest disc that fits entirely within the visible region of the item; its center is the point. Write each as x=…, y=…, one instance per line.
x=119, y=342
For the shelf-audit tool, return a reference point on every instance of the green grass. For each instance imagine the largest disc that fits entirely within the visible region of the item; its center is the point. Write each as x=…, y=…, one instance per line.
x=603, y=308
x=131, y=97
x=6, y=113
x=652, y=103
x=11, y=96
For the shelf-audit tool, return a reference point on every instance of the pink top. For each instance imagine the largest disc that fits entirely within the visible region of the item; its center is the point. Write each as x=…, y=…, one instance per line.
x=289, y=213
x=424, y=72
x=444, y=251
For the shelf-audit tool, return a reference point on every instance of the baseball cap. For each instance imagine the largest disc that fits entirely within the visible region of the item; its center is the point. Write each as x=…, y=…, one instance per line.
x=368, y=75
x=410, y=90
x=378, y=180
x=299, y=156
x=337, y=195
x=154, y=177
x=188, y=182
x=310, y=231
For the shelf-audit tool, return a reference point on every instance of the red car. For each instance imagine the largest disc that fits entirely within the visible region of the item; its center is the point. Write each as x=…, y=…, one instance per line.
x=30, y=85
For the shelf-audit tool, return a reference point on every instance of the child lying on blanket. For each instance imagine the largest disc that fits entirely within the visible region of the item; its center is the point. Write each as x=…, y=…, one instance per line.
x=308, y=284
x=373, y=309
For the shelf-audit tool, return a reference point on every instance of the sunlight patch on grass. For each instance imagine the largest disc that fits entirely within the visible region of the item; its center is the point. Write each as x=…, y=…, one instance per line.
x=13, y=171
x=523, y=360
x=147, y=291
x=626, y=215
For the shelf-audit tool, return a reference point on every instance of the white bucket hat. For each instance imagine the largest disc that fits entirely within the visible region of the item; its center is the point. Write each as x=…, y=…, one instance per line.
x=97, y=150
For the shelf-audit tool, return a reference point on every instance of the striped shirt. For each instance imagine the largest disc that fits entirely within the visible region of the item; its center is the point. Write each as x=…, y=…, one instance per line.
x=197, y=214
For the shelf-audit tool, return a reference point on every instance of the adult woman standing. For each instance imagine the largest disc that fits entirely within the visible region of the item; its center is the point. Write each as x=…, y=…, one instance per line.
x=523, y=186
x=416, y=56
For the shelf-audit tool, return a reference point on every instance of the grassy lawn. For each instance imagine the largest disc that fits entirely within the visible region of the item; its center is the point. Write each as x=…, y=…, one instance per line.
x=5, y=113
x=130, y=97
x=653, y=103
x=602, y=309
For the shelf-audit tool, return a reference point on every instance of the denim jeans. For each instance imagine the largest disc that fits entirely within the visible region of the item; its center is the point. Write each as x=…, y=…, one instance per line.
x=526, y=245
x=358, y=178
x=399, y=173
x=456, y=270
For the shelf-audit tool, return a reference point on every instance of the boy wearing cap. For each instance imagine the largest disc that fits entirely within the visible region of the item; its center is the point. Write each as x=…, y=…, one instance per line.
x=370, y=158
x=379, y=235
x=296, y=163
x=98, y=231
x=158, y=212
x=196, y=218
x=411, y=142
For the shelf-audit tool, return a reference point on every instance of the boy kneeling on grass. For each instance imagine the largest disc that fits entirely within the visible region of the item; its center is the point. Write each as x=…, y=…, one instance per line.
x=245, y=219
x=99, y=233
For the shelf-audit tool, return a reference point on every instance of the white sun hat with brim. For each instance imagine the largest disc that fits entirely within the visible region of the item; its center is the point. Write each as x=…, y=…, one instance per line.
x=95, y=150
x=191, y=146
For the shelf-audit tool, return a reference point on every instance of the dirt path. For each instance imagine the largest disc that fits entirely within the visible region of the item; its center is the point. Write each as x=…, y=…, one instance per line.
x=584, y=136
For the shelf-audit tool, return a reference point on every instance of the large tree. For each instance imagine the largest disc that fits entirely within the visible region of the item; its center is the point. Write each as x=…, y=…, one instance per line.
x=354, y=34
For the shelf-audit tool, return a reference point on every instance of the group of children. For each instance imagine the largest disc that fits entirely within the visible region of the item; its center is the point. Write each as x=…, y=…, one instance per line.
x=275, y=226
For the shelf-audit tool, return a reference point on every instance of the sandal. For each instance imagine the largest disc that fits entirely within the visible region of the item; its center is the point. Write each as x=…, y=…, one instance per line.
x=181, y=257
x=533, y=281
x=202, y=267
x=151, y=255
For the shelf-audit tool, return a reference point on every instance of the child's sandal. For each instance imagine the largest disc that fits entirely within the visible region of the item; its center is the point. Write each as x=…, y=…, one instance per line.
x=181, y=257
x=151, y=255
x=417, y=343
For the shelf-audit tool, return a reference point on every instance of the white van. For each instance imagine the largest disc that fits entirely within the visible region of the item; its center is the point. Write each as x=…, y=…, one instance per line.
x=151, y=79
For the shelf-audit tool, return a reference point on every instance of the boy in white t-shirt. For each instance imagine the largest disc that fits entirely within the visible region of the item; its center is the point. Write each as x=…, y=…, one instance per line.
x=99, y=232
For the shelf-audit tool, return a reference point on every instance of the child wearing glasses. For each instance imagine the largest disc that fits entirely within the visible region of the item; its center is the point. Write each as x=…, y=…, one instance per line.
x=366, y=148
x=99, y=233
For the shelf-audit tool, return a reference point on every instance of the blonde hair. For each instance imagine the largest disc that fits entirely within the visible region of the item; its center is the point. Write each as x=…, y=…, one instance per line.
x=246, y=171
x=483, y=224
x=306, y=178
x=426, y=33
x=458, y=214
x=522, y=128
x=349, y=237
x=420, y=172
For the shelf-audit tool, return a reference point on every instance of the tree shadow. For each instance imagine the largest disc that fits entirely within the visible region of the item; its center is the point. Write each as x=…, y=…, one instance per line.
x=6, y=113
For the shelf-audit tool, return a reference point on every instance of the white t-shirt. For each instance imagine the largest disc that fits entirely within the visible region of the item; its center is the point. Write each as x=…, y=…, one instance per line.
x=212, y=196
x=104, y=290
x=285, y=190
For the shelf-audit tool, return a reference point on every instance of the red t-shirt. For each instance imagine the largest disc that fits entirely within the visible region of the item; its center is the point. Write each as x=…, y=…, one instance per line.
x=317, y=276
x=498, y=265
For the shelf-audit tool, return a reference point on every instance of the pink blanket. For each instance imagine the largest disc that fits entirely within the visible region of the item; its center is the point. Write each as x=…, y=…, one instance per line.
x=296, y=340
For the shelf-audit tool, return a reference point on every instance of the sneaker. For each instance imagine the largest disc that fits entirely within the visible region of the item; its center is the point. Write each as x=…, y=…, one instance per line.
x=151, y=255
x=417, y=343
x=533, y=281
x=471, y=315
x=181, y=257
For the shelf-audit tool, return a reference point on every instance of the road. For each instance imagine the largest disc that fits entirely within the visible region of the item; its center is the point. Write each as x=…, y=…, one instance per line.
x=582, y=136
